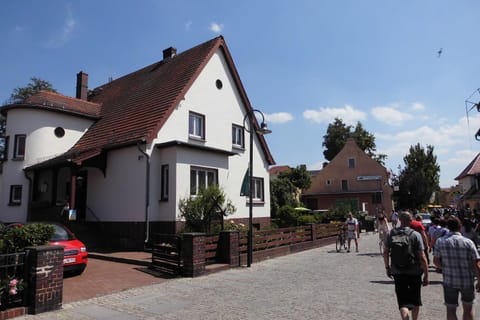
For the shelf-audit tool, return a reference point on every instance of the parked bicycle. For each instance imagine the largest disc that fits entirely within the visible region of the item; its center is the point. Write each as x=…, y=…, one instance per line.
x=341, y=242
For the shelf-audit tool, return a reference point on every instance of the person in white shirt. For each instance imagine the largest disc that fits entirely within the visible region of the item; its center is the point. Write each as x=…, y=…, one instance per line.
x=352, y=231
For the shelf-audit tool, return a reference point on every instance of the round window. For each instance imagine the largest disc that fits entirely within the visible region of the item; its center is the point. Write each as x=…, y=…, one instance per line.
x=219, y=84
x=59, y=132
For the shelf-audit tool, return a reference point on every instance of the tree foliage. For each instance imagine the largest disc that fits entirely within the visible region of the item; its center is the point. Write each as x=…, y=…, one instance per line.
x=34, y=86
x=210, y=204
x=338, y=133
x=419, y=178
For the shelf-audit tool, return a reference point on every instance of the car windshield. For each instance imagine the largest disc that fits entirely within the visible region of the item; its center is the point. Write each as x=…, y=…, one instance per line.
x=61, y=234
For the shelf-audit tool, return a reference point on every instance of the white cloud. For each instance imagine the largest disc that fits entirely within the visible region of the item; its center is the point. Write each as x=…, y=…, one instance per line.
x=348, y=114
x=188, y=25
x=279, y=117
x=417, y=106
x=62, y=36
x=390, y=115
x=215, y=27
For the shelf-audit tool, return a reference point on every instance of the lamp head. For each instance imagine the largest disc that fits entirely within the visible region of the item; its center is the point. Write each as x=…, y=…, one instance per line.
x=263, y=129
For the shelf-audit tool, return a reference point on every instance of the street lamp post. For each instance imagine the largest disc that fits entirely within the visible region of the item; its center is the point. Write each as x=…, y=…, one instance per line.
x=262, y=130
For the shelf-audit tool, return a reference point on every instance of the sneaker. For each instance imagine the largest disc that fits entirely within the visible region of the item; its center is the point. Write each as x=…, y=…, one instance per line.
x=348, y=250
x=357, y=250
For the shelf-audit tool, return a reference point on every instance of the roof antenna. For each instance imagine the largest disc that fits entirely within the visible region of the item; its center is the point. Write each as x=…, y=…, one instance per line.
x=469, y=106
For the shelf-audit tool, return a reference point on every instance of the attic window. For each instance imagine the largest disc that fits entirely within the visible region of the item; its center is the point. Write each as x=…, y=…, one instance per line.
x=219, y=84
x=59, y=132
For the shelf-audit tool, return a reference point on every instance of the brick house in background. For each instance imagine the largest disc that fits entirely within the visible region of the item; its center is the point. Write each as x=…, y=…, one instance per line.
x=354, y=178
x=469, y=181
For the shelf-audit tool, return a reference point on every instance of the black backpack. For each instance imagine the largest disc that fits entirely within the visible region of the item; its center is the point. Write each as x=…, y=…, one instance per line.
x=401, y=248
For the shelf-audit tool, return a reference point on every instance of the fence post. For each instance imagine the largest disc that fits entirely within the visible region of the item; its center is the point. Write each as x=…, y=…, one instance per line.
x=228, y=246
x=313, y=231
x=45, y=283
x=193, y=251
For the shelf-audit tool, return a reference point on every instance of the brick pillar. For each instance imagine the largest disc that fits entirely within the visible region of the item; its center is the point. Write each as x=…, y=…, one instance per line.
x=45, y=285
x=193, y=253
x=229, y=251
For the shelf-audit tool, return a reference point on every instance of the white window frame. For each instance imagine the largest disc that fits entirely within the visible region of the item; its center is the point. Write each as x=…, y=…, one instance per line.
x=196, y=126
x=202, y=178
x=238, y=136
x=258, y=189
x=15, y=195
x=164, y=178
x=19, y=146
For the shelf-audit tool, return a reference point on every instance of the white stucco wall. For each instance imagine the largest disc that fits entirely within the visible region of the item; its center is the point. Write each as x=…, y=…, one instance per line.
x=222, y=108
x=41, y=144
x=120, y=194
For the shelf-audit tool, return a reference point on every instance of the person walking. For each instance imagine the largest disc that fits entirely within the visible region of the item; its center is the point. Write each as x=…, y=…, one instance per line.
x=394, y=218
x=459, y=260
x=352, y=231
x=405, y=261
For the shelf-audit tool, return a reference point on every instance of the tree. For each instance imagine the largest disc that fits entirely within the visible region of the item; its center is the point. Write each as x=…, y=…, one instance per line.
x=419, y=179
x=36, y=84
x=210, y=204
x=338, y=133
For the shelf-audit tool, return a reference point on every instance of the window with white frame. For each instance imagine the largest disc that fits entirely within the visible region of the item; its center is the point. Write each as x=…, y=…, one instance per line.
x=238, y=136
x=15, y=195
x=200, y=178
x=196, y=125
x=258, y=194
x=19, y=147
x=164, y=189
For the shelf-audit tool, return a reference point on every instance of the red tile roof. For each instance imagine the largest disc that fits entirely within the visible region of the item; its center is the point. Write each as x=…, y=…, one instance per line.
x=473, y=168
x=52, y=101
x=135, y=106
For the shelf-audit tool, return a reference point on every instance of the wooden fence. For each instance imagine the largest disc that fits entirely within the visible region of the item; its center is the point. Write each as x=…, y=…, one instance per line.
x=167, y=255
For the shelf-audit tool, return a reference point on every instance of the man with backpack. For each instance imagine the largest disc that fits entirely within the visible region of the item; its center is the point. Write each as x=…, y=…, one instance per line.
x=460, y=262
x=405, y=261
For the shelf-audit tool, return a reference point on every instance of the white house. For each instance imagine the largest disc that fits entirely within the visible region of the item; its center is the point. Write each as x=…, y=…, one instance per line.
x=122, y=155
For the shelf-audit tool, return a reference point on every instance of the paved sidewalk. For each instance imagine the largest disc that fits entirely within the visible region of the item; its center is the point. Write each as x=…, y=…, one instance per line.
x=314, y=284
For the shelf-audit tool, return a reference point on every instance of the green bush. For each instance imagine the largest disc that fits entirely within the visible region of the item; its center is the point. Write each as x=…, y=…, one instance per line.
x=306, y=219
x=15, y=239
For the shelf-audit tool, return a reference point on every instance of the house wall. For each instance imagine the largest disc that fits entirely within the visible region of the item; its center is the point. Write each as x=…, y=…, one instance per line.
x=222, y=108
x=120, y=194
x=326, y=186
x=41, y=145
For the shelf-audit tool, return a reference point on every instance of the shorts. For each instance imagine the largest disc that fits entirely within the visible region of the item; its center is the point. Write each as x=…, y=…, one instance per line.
x=450, y=295
x=352, y=235
x=407, y=289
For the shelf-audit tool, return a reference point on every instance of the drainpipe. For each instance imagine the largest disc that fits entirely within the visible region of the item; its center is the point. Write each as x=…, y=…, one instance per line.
x=147, y=195
x=30, y=190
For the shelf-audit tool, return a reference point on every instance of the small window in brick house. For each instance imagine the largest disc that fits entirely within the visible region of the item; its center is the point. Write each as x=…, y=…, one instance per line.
x=328, y=182
x=344, y=185
x=351, y=163
x=59, y=132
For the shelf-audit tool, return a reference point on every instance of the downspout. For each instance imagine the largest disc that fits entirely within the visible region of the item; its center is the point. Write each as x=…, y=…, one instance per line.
x=147, y=195
x=30, y=190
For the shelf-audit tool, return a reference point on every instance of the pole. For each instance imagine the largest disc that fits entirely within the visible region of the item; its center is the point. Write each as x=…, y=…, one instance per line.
x=250, y=197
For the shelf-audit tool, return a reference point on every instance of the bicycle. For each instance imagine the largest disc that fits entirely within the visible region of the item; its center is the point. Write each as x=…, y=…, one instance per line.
x=341, y=241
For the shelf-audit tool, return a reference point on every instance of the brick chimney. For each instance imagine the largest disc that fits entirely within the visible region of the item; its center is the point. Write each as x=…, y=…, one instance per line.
x=82, y=85
x=169, y=53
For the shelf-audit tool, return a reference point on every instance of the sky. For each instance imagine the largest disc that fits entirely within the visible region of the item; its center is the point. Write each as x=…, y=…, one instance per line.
x=408, y=70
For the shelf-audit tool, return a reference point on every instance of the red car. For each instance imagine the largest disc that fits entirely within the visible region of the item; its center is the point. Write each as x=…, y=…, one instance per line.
x=75, y=253
x=75, y=256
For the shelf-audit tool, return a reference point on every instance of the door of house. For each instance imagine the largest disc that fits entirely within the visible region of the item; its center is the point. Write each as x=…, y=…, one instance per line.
x=81, y=195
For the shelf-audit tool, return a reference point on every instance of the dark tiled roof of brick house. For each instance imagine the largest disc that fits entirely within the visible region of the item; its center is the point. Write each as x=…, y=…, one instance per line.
x=473, y=168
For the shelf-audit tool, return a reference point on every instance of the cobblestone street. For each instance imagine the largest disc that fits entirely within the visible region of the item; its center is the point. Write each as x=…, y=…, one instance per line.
x=314, y=284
